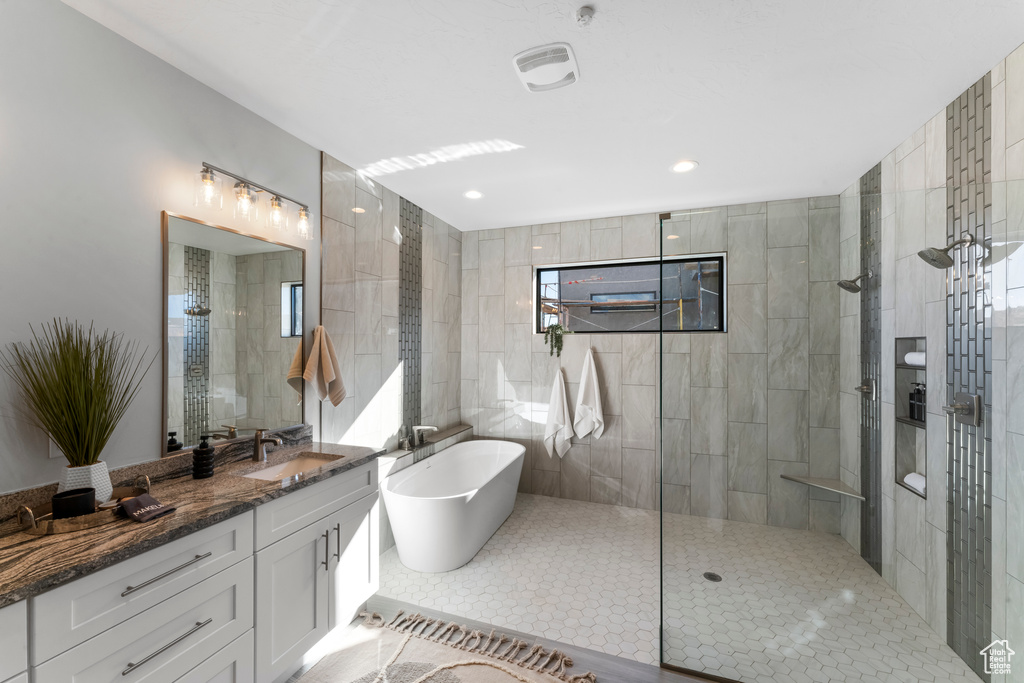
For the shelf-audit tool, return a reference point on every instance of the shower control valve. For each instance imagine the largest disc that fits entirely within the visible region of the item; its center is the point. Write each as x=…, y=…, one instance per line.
x=966, y=409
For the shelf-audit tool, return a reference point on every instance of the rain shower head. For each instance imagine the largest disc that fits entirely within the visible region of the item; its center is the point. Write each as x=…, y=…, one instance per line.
x=851, y=285
x=940, y=258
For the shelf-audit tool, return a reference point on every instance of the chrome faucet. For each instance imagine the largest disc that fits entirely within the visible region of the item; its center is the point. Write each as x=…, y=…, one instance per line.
x=259, y=445
x=418, y=431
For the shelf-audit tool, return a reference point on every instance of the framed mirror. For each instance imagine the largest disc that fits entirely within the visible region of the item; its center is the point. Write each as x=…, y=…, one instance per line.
x=232, y=330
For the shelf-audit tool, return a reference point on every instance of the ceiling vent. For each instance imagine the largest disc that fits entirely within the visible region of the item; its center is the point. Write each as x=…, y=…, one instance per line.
x=546, y=67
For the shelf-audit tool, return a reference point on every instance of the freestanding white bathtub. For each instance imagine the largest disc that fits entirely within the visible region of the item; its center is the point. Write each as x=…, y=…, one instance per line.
x=444, y=508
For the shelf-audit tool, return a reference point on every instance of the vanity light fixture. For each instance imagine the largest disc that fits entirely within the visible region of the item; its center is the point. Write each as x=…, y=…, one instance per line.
x=358, y=209
x=684, y=166
x=473, y=194
x=247, y=200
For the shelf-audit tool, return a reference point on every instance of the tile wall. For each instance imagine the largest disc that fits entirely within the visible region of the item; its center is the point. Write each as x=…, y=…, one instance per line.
x=914, y=215
x=359, y=309
x=741, y=408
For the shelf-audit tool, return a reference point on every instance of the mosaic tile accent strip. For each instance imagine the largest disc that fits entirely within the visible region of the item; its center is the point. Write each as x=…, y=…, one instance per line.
x=410, y=310
x=793, y=605
x=197, y=344
x=969, y=369
x=871, y=367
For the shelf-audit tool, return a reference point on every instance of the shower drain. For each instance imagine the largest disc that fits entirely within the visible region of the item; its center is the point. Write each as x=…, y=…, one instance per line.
x=711, y=576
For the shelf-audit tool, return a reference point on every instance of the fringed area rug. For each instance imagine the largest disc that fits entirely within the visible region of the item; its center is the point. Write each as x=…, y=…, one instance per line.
x=416, y=649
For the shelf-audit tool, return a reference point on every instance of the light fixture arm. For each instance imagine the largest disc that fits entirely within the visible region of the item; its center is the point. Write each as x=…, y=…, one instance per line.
x=262, y=188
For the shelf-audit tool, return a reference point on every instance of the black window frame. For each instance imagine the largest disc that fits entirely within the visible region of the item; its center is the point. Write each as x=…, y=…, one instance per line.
x=660, y=262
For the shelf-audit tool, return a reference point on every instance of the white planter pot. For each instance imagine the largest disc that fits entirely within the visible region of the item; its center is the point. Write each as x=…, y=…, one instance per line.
x=91, y=476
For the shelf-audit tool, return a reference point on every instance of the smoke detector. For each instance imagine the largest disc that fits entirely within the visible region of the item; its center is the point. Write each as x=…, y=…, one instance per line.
x=547, y=67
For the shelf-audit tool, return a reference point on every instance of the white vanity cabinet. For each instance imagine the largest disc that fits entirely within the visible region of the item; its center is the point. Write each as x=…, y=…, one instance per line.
x=315, y=578
x=14, y=642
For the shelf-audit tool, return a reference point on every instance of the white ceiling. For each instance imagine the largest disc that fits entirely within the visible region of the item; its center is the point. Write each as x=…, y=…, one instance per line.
x=775, y=98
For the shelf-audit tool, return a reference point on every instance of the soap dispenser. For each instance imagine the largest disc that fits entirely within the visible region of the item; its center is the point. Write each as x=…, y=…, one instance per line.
x=202, y=459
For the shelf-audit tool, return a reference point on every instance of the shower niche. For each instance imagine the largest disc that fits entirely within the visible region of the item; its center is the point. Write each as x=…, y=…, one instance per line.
x=911, y=414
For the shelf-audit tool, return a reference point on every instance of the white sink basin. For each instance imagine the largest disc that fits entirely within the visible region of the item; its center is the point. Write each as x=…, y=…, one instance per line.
x=288, y=469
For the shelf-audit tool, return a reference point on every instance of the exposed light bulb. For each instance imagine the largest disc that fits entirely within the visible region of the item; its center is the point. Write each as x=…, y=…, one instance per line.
x=246, y=202
x=672, y=237
x=684, y=166
x=208, y=190
x=302, y=226
x=277, y=215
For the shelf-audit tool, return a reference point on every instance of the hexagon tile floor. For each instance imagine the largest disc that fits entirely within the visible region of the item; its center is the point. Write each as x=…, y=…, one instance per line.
x=792, y=606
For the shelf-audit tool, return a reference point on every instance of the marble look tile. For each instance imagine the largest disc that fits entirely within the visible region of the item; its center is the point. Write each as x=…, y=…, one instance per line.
x=518, y=243
x=708, y=488
x=746, y=209
x=910, y=205
x=910, y=541
x=748, y=388
x=909, y=304
x=824, y=315
x=546, y=483
x=470, y=350
x=639, y=358
x=1015, y=505
x=676, y=452
x=849, y=267
x=546, y=248
x=492, y=267
x=470, y=297
x=338, y=188
x=748, y=327
x=1015, y=377
x=748, y=457
x=609, y=369
x=708, y=421
x=675, y=236
x=638, y=424
x=824, y=453
x=676, y=499
x=606, y=452
x=368, y=314
x=788, y=353
x=368, y=234
x=748, y=507
x=517, y=352
x=787, y=282
x=606, y=244
x=710, y=360
x=747, y=249
x=849, y=353
x=787, y=223
x=1014, y=80
x=491, y=381
x=910, y=583
x=787, y=500
x=849, y=433
x=492, y=323
x=709, y=230
x=638, y=479
x=640, y=235
x=574, y=474
x=675, y=385
x=935, y=573
x=606, y=490
x=470, y=250
x=519, y=295
x=788, y=430
x=824, y=388
x=391, y=228
x=389, y=280
x=887, y=278
x=824, y=245
x=824, y=516
x=935, y=505
x=575, y=241
x=830, y=201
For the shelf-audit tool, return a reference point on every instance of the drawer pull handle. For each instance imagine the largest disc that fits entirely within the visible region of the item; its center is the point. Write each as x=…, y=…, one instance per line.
x=337, y=553
x=132, y=667
x=327, y=549
x=131, y=589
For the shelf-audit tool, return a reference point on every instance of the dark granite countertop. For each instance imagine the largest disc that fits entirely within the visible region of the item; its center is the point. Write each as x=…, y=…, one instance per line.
x=30, y=565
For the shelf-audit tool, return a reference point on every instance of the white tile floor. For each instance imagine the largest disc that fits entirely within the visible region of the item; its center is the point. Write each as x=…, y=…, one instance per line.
x=793, y=605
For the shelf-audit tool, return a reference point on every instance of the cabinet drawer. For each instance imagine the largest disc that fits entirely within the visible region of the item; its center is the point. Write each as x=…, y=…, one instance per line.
x=286, y=515
x=13, y=640
x=75, y=612
x=233, y=664
x=164, y=642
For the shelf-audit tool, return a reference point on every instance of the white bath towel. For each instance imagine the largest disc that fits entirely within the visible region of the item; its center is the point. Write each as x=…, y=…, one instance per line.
x=589, y=414
x=558, y=432
x=915, y=481
x=915, y=358
x=322, y=368
x=295, y=372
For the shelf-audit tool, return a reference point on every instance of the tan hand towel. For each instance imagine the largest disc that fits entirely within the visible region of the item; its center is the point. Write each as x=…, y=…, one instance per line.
x=322, y=368
x=295, y=372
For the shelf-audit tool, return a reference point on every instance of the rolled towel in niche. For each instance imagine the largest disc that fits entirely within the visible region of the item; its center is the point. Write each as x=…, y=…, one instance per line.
x=916, y=481
x=915, y=358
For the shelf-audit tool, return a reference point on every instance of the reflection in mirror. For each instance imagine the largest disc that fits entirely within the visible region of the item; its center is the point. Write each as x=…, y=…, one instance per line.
x=234, y=327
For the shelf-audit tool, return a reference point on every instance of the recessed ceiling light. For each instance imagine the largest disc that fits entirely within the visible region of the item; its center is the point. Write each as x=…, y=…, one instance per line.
x=358, y=209
x=672, y=237
x=474, y=194
x=684, y=166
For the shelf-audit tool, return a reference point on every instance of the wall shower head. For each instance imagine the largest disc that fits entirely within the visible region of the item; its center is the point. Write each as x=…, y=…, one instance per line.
x=940, y=258
x=201, y=311
x=851, y=285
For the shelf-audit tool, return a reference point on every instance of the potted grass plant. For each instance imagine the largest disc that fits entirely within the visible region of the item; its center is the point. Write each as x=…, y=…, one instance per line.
x=76, y=385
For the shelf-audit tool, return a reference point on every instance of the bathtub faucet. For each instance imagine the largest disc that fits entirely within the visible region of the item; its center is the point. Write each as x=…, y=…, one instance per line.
x=418, y=431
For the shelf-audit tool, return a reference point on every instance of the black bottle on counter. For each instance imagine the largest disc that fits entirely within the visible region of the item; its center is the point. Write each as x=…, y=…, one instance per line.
x=172, y=443
x=202, y=459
